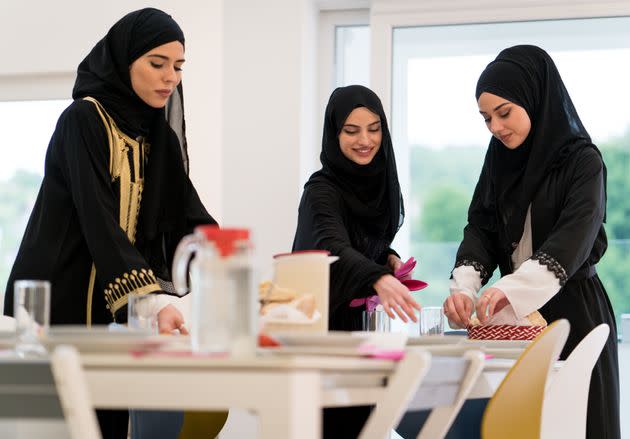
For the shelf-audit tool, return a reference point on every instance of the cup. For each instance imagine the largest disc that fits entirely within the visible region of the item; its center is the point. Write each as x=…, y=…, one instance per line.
x=376, y=321
x=31, y=309
x=431, y=320
x=142, y=313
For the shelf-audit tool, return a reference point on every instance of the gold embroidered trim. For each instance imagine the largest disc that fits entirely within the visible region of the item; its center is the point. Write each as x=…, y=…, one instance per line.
x=142, y=282
x=90, y=294
x=127, y=159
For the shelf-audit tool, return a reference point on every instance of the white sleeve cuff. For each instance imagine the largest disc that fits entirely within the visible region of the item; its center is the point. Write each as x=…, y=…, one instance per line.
x=466, y=280
x=152, y=304
x=529, y=287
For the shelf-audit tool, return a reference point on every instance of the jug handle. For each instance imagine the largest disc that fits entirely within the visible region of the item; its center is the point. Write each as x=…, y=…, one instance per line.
x=186, y=247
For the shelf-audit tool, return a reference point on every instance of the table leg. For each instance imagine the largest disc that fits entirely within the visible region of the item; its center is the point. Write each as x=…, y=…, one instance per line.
x=294, y=410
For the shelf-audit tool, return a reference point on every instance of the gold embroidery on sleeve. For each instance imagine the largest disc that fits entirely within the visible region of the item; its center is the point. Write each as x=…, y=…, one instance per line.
x=138, y=282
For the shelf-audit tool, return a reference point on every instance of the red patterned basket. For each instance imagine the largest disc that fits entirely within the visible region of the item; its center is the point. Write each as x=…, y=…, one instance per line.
x=504, y=332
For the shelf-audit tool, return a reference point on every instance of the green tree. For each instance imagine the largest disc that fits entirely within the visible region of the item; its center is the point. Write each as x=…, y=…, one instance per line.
x=17, y=196
x=443, y=215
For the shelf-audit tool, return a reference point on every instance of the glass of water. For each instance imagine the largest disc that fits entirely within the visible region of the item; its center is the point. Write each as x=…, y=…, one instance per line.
x=31, y=309
x=142, y=313
x=431, y=320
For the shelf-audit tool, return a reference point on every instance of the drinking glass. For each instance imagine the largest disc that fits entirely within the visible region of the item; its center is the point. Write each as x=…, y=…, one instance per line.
x=431, y=320
x=376, y=320
x=142, y=313
x=31, y=309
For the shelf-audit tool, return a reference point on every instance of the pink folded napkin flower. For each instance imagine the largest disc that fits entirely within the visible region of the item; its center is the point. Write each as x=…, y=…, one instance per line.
x=403, y=274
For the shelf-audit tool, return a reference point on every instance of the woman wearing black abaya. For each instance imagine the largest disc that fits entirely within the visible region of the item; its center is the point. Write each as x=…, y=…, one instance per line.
x=537, y=213
x=353, y=208
x=116, y=197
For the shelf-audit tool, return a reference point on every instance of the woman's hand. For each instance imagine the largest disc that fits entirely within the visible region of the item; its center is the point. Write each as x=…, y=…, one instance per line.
x=457, y=308
x=395, y=297
x=491, y=301
x=394, y=262
x=170, y=319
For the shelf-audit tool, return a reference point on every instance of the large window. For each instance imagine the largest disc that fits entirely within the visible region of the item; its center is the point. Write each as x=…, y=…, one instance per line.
x=26, y=128
x=440, y=139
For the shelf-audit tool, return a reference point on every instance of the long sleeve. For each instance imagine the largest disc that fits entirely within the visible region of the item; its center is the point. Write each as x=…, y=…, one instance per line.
x=571, y=240
x=321, y=226
x=85, y=160
x=568, y=245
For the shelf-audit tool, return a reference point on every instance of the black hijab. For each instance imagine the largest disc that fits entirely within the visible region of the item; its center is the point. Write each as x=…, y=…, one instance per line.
x=371, y=192
x=104, y=75
x=528, y=77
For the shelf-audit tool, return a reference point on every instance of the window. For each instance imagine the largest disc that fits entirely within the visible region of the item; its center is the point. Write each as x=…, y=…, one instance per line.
x=26, y=127
x=440, y=138
x=352, y=55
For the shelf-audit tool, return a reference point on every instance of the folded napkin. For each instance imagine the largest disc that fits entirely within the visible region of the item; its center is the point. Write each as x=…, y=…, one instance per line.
x=403, y=274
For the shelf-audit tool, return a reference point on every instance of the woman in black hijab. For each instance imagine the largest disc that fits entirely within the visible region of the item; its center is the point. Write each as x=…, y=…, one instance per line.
x=353, y=208
x=537, y=213
x=116, y=198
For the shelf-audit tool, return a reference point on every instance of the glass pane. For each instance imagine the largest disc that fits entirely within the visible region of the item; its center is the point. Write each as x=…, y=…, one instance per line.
x=26, y=128
x=352, y=55
x=440, y=138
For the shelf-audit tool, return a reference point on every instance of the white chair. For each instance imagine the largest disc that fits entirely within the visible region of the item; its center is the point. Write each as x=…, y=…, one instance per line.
x=441, y=418
x=42, y=398
x=515, y=409
x=73, y=393
x=566, y=398
x=401, y=388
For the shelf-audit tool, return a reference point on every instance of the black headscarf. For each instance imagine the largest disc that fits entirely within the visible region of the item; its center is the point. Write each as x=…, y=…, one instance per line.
x=104, y=75
x=527, y=76
x=371, y=192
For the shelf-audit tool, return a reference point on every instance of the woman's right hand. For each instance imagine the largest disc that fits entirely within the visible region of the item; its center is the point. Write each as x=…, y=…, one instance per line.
x=458, y=308
x=395, y=297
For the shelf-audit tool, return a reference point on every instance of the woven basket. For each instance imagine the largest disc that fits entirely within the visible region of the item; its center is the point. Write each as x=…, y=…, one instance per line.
x=504, y=332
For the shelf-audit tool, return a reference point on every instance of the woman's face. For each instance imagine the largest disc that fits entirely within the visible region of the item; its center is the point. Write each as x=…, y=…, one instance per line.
x=506, y=121
x=361, y=135
x=155, y=74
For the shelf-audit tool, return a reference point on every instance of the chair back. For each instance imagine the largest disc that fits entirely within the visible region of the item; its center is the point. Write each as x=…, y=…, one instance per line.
x=33, y=398
x=73, y=393
x=566, y=397
x=515, y=409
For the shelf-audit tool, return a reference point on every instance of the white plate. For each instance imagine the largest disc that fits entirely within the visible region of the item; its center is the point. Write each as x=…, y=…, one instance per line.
x=337, y=351
x=332, y=339
x=435, y=339
x=497, y=344
x=102, y=340
x=511, y=353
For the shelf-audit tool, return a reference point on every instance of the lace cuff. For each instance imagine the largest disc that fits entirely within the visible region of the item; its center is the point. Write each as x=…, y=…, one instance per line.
x=477, y=266
x=552, y=265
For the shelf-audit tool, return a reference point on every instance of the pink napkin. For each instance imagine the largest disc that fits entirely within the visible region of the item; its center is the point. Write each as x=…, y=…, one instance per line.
x=403, y=274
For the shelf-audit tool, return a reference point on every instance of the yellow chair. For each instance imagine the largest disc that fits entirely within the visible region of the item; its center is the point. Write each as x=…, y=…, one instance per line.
x=202, y=425
x=515, y=409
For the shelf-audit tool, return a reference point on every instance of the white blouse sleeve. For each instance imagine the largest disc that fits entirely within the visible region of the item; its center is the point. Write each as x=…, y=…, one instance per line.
x=466, y=280
x=529, y=287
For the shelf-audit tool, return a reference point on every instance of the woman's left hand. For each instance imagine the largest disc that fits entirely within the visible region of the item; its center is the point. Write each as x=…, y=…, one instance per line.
x=394, y=262
x=491, y=301
x=170, y=319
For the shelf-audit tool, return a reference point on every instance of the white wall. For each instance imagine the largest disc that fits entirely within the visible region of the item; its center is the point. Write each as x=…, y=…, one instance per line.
x=269, y=79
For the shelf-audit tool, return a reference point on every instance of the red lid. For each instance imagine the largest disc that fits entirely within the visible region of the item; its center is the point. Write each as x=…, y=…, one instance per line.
x=224, y=239
x=299, y=252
